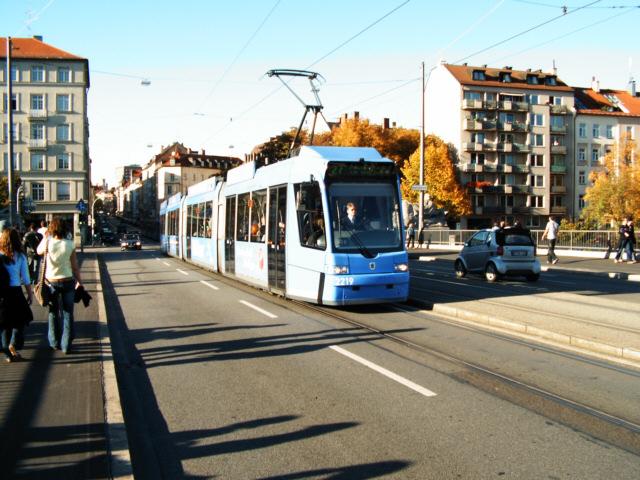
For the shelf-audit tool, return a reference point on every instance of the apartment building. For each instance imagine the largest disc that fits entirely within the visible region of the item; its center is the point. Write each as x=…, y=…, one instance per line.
x=50, y=126
x=512, y=131
x=604, y=119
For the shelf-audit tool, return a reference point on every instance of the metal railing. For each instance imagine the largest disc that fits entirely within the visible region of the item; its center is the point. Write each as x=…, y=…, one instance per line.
x=586, y=240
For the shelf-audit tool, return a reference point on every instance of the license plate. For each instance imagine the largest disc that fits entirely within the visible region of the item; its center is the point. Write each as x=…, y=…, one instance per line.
x=519, y=253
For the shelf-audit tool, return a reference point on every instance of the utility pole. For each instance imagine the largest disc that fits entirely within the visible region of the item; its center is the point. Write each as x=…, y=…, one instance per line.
x=10, y=133
x=421, y=208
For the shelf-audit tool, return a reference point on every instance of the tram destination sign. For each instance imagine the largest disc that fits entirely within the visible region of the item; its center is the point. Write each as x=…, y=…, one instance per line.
x=336, y=170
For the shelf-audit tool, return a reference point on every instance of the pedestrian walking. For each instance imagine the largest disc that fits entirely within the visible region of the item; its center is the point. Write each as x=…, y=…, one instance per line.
x=43, y=228
x=30, y=243
x=631, y=243
x=622, y=240
x=411, y=235
x=16, y=311
x=551, y=234
x=63, y=277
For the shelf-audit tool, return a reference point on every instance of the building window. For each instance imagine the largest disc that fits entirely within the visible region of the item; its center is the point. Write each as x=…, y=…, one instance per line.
x=557, y=140
x=582, y=154
x=582, y=177
x=169, y=189
x=37, y=73
x=581, y=202
x=37, y=131
x=14, y=133
x=64, y=75
x=557, y=121
x=557, y=200
x=63, y=133
x=537, y=160
x=550, y=81
x=536, y=180
x=595, y=154
x=596, y=130
x=63, y=161
x=629, y=132
x=472, y=95
x=477, y=158
x=477, y=137
x=536, y=201
x=537, y=140
x=532, y=79
x=14, y=163
x=609, y=131
x=505, y=77
x=63, y=191
x=37, y=102
x=37, y=161
x=477, y=177
x=536, y=119
x=37, y=192
x=63, y=103
x=533, y=99
x=582, y=130
x=506, y=159
x=14, y=102
x=478, y=75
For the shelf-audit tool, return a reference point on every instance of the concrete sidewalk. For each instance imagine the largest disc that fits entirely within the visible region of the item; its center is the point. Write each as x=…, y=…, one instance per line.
x=598, y=330
x=52, y=406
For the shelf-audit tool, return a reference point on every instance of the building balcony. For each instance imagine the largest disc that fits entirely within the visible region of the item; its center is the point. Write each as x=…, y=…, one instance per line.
x=582, y=163
x=559, y=109
x=38, y=144
x=558, y=210
x=478, y=210
x=510, y=106
x=478, y=147
x=472, y=124
x=558, y=169
x=522, y=168
x=558, y=129
x=469, y=104
x=522, y=147
x=506, y=147
x=520, y=189
x=512, y=127
x=559, y=149
x=38, y=114
x=471, y=167
x=558, y=189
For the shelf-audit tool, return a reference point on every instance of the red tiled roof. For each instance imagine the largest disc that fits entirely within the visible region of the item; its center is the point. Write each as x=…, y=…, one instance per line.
x=590, y=102
x=464, y=75
x=32, y=48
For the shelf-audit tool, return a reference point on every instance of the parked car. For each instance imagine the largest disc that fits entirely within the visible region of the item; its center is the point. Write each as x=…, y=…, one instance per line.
x=494, y=253
x=130, y=241
x=107, y=236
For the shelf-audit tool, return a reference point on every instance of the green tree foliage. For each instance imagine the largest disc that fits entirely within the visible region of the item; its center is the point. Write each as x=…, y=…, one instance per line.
x=4, y=189
x=440, y=178
x=615, y=190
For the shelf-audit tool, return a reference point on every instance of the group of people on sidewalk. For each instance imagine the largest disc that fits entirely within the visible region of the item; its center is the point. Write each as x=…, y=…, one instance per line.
x=20, y=262
x=626, y=242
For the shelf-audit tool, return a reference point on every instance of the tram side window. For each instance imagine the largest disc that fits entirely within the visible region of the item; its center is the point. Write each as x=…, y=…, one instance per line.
x=198, y=219
x=258, y=216
x=310, y=215
x=189, y=227
x=208, y=212
x=242, y=224
x=162, y=223
x=173, y=222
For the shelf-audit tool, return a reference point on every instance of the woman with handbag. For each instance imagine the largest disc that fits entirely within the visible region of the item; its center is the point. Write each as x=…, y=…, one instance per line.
x=62, y=276
x=16, y=312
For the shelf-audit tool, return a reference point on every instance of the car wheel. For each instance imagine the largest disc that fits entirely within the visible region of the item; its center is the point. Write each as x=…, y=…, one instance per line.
x=490, y=273
x=460, y=270
x=533, y=277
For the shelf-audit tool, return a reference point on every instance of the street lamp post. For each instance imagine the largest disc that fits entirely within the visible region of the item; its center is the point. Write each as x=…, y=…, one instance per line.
x=10, y=133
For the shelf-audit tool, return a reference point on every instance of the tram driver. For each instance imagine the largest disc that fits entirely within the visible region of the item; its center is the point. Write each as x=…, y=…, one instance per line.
x=352, y=221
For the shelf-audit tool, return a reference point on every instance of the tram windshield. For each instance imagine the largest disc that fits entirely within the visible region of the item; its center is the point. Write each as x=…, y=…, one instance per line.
x=365, y=217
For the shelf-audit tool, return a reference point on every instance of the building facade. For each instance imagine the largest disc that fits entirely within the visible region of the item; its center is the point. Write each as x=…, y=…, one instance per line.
x=605, y=119
x=50, y=126
x=512, y=131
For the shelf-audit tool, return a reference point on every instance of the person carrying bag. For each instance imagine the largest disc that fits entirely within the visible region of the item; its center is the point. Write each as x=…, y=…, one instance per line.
x=62, y=277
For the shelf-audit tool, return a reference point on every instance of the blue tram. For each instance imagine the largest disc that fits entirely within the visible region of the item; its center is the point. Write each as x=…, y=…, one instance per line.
x=323, y=226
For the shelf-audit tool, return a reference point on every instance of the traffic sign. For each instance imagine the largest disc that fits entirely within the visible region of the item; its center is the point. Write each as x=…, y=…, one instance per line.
x=81, y=206
x=419, y=188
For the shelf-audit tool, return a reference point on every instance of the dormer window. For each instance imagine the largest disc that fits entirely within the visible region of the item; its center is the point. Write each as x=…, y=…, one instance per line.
x=479, y=75
x=505, y=77
x=532, y=79
x=550, y=81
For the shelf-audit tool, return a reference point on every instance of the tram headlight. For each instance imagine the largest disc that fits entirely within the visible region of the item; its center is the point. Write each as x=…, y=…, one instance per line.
x=337, y=269
x=401, y=267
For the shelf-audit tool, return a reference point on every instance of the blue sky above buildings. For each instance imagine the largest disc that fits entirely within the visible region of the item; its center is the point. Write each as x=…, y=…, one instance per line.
x=206, y=59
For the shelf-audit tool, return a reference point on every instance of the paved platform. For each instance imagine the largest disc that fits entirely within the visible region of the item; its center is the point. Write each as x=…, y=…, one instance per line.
x=51, y=405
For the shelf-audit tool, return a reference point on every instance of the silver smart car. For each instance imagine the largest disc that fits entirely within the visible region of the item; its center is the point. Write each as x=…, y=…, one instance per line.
x=494, y=253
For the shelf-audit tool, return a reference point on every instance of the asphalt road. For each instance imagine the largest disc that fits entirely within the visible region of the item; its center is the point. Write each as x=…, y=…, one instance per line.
x=222, y=381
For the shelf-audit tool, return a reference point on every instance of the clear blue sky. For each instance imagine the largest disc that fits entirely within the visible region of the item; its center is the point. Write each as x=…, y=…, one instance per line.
x=206, y=59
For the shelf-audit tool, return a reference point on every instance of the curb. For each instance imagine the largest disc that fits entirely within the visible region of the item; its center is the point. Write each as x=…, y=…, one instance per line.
x=118, y=444
x=626, y=355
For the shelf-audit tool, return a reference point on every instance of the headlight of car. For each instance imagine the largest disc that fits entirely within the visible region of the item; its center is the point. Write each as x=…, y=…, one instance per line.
x=401, y=267
x=123, y=244
x=337, y=269
x=138, y=244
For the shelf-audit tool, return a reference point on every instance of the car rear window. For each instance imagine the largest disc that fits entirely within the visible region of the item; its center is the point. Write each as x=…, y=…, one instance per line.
x=521, y=237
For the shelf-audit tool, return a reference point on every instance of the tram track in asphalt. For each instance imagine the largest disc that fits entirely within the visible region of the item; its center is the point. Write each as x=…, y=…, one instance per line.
x=596, y=422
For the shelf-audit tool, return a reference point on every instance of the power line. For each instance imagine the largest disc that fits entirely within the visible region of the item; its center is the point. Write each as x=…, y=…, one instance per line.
x=565, y=35
x=546, y=22
x=540, y=4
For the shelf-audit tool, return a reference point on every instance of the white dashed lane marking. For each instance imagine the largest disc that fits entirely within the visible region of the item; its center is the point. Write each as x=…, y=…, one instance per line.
x=209, y=285
x=258, y=309
x=182, y=271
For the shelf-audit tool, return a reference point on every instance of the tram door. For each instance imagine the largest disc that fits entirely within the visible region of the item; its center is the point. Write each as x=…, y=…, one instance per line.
x=229, y=242
x=276, y=237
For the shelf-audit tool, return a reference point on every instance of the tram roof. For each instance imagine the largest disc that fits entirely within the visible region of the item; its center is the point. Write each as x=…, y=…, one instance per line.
x=340, y=153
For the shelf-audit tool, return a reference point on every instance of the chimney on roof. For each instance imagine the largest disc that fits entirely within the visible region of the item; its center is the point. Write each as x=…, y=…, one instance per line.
x=202, y=152
x=555, y=70
x=38, y=37
x=356, y=115
x=632, y=87
x=595, y=85
x=385, y=124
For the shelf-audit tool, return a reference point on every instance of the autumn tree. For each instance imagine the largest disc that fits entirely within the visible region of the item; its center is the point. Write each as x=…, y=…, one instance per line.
x=440, y=178
x=4, y=189
x=615, y=190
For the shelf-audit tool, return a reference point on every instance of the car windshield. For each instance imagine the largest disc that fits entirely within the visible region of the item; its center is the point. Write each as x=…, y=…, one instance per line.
x=365, y=217
x=518, y=237
x=130, y=237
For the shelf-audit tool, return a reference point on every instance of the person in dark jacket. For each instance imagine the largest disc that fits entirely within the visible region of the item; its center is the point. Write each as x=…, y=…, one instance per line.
x=623, y=231
x=30, y=243
x=631, y=243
